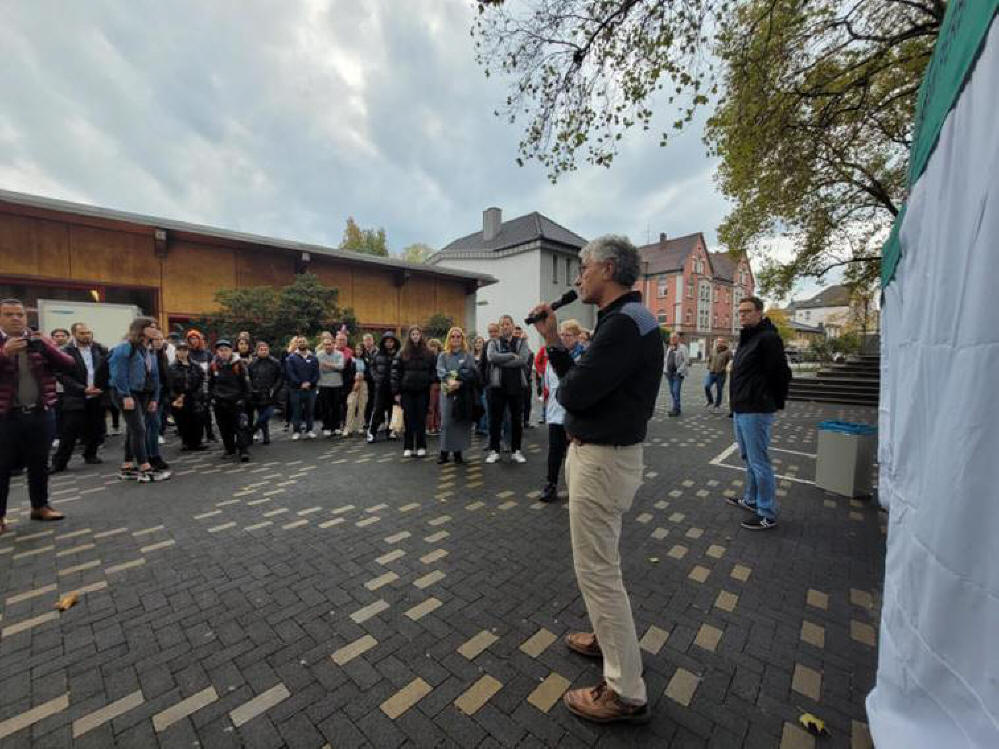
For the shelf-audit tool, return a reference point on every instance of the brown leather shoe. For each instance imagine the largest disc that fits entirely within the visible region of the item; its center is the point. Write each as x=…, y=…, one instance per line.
x=601, y=704
x=46, y=513
x=585, y=643
x=3, y=525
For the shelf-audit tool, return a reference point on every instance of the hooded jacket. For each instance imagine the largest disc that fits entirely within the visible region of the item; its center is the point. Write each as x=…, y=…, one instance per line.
x=228, y=381
x=266, y=379
x=760, y=375
x=381, y=363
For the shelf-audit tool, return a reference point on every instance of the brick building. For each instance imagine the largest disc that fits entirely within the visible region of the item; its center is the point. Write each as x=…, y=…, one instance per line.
x=693, y=291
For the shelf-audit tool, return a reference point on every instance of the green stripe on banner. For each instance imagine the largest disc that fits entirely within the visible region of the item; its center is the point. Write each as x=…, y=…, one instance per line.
x=962, y=33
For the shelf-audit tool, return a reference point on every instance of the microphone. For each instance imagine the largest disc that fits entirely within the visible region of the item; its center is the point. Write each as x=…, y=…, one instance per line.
x=567, y=298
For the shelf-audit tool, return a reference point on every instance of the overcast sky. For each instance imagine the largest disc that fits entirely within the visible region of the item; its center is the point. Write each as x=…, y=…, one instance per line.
x=283, y=118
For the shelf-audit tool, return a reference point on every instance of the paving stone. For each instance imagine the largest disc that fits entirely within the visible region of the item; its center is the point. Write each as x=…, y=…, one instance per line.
x=179, y=711
x=726, y=601
x=381, y=581
x=708, y=637
x=813, y=634
x=699, y=574
x=861, y=598
x=715, y=551
x=741, y=572
x=405, y=698
x=372, y=609
x=817, y=598
x=793, y=737
x=33, y=715
x=427, y=580
x=682, y=686
x=108, y=712
x=259, y=704
x=477, y=644
x=478, y=695
x=421, y=610
x=347, y=653
x=863, y=633
x=860, y=736
x=677, y=552
x=548, y=692
x=537, y=643
x=660, y=533
x=653, y=639
x=807, y=681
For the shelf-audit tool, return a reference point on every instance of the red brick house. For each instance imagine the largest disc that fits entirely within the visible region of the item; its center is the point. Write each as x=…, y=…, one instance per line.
x=693, y=291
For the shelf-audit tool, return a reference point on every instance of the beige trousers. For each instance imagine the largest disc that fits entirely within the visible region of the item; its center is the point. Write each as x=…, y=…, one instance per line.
x=356, y=403
x=602, y=484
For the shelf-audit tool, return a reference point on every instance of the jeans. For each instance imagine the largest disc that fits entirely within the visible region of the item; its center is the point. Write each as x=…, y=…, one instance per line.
x=675, y=383
x=499, y=402
x=25, y=441
x=752, y=432
x=135, y=428
x=558, y=444
x=303, y=403
x=263, y=421
x=482, y=427
x=716, y=380
x=153, y=432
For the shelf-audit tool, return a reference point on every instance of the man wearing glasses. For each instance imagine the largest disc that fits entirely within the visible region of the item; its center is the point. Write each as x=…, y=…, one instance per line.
x=609, y=395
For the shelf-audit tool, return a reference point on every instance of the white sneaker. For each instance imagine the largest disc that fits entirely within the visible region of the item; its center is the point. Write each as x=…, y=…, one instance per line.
x=162, y=439
x=311, y=435
x=407, y=453
x=55, y=443
x=421, y=453
x=370, y=438
x=518, y=457
x=338, y=432
x=296, y=436
x=327, y=433
x=492, y=457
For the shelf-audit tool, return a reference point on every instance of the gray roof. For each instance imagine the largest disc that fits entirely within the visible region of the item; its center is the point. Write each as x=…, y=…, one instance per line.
x=833, y=296
x=800, y=327
x=724, y=265
x=663, y=257
x=514, y=233
x=82, y=209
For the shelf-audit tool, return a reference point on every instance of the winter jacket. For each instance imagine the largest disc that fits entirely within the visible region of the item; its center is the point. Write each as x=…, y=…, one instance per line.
x=299, y=368
x=682, y=360
x=187, y=380
x=132, y=372
x=43, y=364
x=228, y=381
x=610, y=393
x=74, y=382
x=414, y=375
x=718, y=361
x=760, y=375
x=368, y=358
x=381, y=363
x=266, y=379
x=505, y=355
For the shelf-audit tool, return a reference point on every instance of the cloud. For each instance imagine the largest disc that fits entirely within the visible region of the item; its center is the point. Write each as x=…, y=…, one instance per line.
x=285, y=118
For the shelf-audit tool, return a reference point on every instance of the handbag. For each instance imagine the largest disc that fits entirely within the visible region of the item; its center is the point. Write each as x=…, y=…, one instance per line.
x=398, y=422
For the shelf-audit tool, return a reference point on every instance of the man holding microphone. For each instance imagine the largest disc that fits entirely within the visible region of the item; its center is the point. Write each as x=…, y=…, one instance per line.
x=609, y=395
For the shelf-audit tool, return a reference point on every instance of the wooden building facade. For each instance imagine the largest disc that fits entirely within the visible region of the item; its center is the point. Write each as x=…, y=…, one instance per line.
x=51, y=249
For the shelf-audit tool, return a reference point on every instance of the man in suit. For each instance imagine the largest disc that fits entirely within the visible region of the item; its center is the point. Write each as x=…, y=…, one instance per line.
x=82, y=410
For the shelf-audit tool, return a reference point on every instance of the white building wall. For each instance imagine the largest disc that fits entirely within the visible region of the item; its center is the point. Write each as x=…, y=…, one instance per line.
x=823, y=315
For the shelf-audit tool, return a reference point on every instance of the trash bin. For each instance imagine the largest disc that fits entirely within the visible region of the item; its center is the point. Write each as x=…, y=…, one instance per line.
x=844, y=463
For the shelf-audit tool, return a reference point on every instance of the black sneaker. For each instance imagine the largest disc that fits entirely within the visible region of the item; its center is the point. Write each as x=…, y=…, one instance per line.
x=549, y=493
x=159, y=464
x=128, y=474
x=758, y=523
x=742, y=504
x=153, y=474
x=244, y=458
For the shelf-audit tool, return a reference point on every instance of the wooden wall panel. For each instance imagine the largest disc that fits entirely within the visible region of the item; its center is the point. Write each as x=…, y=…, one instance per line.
x=375, y=297
x=113, y=256
x=34, y=247
x=192, y=274
x=419, y=300
x=451, y=300
x=262, y=268
x=337, y=275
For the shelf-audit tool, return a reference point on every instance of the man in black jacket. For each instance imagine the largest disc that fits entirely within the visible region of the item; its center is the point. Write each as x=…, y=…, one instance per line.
x=82, y=410
x=266, y=381
x=228, y=391
x=609, y=395
x=760, y=378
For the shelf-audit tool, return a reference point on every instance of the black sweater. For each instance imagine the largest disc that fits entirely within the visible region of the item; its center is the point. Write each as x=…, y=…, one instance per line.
x=609, y=394
x=227, y=381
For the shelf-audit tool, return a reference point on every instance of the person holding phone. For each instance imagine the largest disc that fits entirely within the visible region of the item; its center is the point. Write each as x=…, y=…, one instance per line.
x=28, y=365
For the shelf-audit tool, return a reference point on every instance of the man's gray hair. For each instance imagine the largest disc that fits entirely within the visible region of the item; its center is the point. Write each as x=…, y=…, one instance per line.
x=618, y=249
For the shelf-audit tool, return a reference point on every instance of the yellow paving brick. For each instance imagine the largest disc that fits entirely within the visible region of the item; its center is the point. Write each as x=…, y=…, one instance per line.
x=741, y=572
x=405, y=698
x=259, y=704
x=708, y=637
x=807, y=681
x=433, y=556
x=817, y=598
x=861, y=598
x=694, y=533
x=477, y=644
x=682, y=686
x=435, y=537
x=157, y=546
x=864, y=633
x=372, y=609
x=715, y=551
x=26, y=624
x=537, y=643
x=108, y=712
x=34, y=715
x=726, y=601
x=34, y=552
x=660, y=533
x=124, y=566
x=860, y=736
x=30, y=594
x=548, y=692
x=677, y=552
x=699, y=574
x=427, y=580
x=391, y=556
x=793, y=737
x=422, y=609
x=813, y=634
x=381, y=580
x=80, y=567
x=653, y=639
x=478, y=695
x=349, y=652
x=166, y=718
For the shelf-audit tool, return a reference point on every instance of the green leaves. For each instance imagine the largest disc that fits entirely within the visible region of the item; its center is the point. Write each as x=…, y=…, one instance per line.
x=368, y=241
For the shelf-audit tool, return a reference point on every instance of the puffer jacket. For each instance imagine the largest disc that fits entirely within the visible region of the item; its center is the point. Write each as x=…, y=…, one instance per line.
x=43, y=365
x=414, y=374
x=187, y=380
x=381, y=363
x=266, y=379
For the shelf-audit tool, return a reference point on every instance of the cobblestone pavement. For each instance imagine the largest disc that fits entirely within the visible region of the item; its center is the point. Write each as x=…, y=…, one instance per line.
x=330, y=592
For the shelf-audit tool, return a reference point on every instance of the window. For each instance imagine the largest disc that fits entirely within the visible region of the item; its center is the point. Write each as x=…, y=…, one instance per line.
x=690, y=292
x=568, y=270
x=808, y=314
x=554, y=269
x=663, y=285
x=686, y=317
x=661, y=317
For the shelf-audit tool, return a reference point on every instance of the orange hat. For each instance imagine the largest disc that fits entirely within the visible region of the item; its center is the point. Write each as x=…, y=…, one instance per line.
x=192, y=333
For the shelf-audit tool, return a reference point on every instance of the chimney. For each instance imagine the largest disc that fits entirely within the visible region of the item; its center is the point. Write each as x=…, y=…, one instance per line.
x=491, y=220
x=662, y=237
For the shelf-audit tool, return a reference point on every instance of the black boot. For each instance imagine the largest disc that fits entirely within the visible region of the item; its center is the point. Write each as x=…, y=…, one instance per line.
x=457, y=457
x=549, y=493
x=443, y=458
